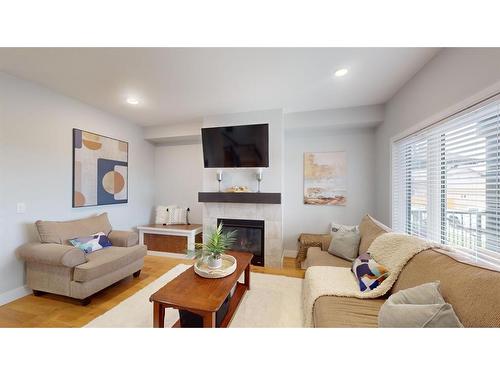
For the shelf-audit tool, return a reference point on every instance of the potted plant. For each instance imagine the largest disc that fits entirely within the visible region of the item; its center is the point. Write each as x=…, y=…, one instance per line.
x=218, y=242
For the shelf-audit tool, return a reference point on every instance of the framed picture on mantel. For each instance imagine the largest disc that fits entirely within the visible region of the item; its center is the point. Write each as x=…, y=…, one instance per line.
x=100, y=170
x=325, y=175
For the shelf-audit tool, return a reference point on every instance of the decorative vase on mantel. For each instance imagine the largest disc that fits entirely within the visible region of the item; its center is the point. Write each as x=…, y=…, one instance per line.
x=216, y=245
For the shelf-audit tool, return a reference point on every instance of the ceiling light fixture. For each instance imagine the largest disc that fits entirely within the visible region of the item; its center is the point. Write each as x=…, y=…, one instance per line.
x=132, y=101
x=341, y=72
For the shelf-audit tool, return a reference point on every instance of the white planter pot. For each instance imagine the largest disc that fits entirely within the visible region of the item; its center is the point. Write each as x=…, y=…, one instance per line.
x=214, y=263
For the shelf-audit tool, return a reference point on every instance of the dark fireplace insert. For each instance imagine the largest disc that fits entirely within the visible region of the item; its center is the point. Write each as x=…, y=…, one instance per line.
x=249, y=237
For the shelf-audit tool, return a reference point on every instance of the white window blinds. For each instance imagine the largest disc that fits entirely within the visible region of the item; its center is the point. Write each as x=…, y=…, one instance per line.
x=446, y=183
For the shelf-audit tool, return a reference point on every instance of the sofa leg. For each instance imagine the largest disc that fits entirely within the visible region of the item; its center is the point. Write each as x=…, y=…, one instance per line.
x=137, y=273
x=38, y=293
x=85, y=301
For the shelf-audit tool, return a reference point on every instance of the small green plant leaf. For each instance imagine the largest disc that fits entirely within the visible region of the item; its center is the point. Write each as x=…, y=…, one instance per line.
x=217, y=243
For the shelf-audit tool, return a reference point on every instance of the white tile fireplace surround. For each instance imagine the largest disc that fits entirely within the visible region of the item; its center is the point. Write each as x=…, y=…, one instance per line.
x=270, y=213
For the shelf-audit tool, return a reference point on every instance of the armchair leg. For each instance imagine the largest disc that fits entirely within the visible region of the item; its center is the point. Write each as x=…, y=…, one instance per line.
x=85, y=301
x=137, y=273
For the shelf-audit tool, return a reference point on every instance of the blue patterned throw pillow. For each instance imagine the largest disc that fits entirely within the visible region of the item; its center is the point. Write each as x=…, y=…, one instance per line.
x=369, y=273
x=92, y=243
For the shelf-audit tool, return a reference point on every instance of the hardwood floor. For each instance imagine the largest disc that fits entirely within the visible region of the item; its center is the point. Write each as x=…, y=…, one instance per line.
x=50, y=310
x=288, y=269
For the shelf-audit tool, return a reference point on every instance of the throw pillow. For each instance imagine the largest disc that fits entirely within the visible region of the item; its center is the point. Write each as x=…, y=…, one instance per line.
x=177, y=216
x=369, y=273
x=162, y=214
x=345, y=245
x=340, y=228
x=418, y=307
x=92, y=243
x=369, y=228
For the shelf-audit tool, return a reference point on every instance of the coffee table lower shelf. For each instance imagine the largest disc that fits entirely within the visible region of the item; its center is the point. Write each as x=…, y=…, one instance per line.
x=239, y=292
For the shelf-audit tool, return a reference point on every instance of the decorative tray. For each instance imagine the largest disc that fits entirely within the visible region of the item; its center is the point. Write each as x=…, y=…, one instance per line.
x=238, y=189
x=227, y=268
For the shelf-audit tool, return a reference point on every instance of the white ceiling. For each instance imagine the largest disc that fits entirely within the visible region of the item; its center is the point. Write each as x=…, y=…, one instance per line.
x=177, y=85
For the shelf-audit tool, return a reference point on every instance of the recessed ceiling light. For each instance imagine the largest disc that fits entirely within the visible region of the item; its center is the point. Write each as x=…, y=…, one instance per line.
x=341, y=72
x=132, y=101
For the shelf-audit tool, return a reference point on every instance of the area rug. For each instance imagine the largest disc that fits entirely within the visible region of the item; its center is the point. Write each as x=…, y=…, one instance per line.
x=272, y=301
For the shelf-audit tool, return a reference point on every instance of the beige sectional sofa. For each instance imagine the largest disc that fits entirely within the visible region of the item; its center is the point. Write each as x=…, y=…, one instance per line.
x=55, y=266
x=473, y=291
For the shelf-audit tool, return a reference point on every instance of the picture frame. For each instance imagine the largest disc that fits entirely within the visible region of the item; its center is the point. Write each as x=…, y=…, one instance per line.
x=100, y=170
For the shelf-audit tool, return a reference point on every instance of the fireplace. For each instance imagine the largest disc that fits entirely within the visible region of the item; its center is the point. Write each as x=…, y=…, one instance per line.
x=249, y=237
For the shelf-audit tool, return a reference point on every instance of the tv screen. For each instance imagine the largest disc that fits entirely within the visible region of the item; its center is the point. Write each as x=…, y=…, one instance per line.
x=244, y=146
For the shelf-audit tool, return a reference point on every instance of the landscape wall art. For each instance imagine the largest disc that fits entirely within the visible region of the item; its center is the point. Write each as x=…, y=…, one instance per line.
x=325, y=175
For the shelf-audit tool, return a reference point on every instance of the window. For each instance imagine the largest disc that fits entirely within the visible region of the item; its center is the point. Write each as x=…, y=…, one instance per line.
x=446, y=183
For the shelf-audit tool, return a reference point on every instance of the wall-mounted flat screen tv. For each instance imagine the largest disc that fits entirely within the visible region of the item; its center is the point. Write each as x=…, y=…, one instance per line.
x=243, y=146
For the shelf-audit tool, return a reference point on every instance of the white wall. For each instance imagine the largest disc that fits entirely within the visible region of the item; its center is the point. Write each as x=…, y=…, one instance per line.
x=36, y=167
x=338, y=118
x=298, y=217
x=455, y=78
x=179, y=177
x=154, y=133
x=174, y=134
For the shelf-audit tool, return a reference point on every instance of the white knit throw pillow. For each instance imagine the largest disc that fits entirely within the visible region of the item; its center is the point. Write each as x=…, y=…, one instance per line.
x=341, y=228
x=162, y=214
x=177, y=216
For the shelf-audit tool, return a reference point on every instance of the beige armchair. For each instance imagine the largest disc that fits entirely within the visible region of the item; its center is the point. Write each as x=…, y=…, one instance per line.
x=55, y=266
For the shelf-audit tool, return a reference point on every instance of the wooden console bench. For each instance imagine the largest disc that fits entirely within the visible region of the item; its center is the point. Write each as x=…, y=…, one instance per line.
x=177, y=238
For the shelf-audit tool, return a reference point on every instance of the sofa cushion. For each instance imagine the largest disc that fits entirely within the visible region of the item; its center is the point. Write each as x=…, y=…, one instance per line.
x=345, y=312
x=345, y=245
x=317, y=257
x=62, y=231
x=123, y=238
x=419, y=307
x=82, y=290
x=473, y=292
x=369, y=229
x=105, y=261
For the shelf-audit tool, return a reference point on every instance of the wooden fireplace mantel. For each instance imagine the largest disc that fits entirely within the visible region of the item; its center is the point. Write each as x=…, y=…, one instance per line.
x=216, y=197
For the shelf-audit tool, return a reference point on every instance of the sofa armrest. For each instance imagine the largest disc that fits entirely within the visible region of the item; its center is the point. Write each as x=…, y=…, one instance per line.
x=123, y=238
x=53, y=254
x=307, y=240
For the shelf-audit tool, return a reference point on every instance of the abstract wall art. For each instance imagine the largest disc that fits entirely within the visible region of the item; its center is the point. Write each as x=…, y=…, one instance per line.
x=325, y=175
x=100, y=170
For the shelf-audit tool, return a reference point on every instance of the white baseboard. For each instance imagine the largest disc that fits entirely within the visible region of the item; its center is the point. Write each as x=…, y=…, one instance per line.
x=290, y=253
x=14, y=294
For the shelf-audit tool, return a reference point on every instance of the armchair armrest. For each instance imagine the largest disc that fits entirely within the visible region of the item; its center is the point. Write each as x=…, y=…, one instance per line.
x=307, y=240
x=53, y=254
x=123, y=238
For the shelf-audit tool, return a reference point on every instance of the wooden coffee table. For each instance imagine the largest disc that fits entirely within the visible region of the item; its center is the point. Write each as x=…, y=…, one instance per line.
x=202, y=296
